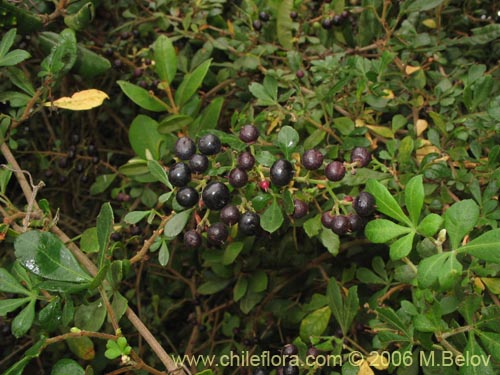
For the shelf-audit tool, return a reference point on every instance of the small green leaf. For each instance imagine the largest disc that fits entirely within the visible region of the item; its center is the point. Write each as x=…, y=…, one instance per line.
x=24, y=320
x=231, y=252
x=430, y=225
x=451, y=272
x=272, y=219
x=90, y=317
x=45, y=255
x=422, y=5
x=485, y=247
x=474, y=350
x=113, y=350
x=174, y=123
x=119, y=305
x=67, y=366
x=460, y=219
x=165, y=58
x=82, y=347
x=104, y=223
x=142, y=97
x=209, y=117
x=240, y=288
x=7, y=41
x=50, y=316
x=88, y=241
x=213, y=286
x=144, y=137
x=9, y=305
x=284, y=24
x=135, y=216
x=176, y=224
x=250, y=300
x=330, y=240
x=313, y=226
x=101, y=183
x=344, y=309
x=14, y=57
x=163, y=254
x=288, y=138
x=386, y=202
x=430, y=269
x=315, y=323
x=191, y=83
x=414, y=197
x=264, y=98
x=159, y=173
x=9, y=284
x=402, y=247
x=491, y=342
x=258, y=282
x=382, y=230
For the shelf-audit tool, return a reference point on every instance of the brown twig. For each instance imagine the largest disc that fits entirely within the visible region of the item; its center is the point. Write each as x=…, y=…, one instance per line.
x=147, y=244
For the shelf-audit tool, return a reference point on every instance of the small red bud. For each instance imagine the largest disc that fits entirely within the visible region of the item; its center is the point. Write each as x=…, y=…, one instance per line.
x=264, y=185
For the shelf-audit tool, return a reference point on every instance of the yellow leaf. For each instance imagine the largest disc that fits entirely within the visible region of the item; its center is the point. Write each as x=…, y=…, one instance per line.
x=388, y=94
x=492, y=283
x=412, y=69
x=421, y=126
x=430, y=23
x=381, y=130
x=379, y=361
x=80, y=101
x=423, y=151
x=365, y=369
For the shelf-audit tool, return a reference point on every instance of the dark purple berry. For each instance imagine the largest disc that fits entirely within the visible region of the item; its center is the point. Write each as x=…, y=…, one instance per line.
x=335, y=171
x=95, y=159
x=312, y=159
x=289, y=350
x=364, y=204
x=79, y=167
x=137, y=72
x=179, y=174
x=63, y=163
x=116, y=236
x=187, y=196
x=288, y=369
x=238, y=177
x=192, y=239
x=345, y=14
x=117, y=63
x=216, y=195
x=184, y=148
x=337, y=20
x=209, y=144
x=300, y=209
x=217, y=234
x=257, y=25
x=327, y=23
x=91, y=149
x=264, y=16
x=246, y=160
x=356, y=223
x=143, y=84
x=299, y=74
x=229, y=214
x=198, y=163
x=293, y=15
x=249, y=223
x=260, y=371
x=281, y=172
x=249, y=133
x=361, y=156
x=312, y=352
x=135, y=230
x=340, y=224
x=327, y=219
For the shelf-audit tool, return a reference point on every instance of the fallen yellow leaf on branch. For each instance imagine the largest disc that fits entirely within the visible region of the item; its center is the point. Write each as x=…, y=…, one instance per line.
x=80, y=101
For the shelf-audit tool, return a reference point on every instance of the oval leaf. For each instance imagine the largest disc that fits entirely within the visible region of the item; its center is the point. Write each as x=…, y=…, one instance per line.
x=272, y=218
x=382, y=230
x=80, y=101
x=67, y=366
x=315, y=323
x=485, y=247
x=142, y=97
x=402, y=247
x=414, y=197
x=165, y=58
x=176, y=224
x=386, y=202
x=460, y=219
x=191, y=83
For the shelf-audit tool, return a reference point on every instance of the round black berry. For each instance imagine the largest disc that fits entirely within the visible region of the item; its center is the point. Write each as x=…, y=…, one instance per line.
x=290, y=349
x=299, y=74
x=198, y=163
x=217, y=234
x=229, y=214
x=335, y=171
x=91, y=149
x=264, y=16
x=361, y=156
x=300, y=208
x=257, y=25
x=312, y=352
x=356, y=222
x=216, y=195
x=281, y=172
x=249, y=223
x=249, y=133
x=246, y=160
x=179, y=174
x=260, y=371
x=337, y=20
x=340, y=224
x=327, y=23
x=238, y=177
x=187, y=196
x=293, y=15
x=327, y=219
x=192, y=239
x=209, y=144
x=312, y=159
x=364, y=204
x=184, y=148
x=290, y=370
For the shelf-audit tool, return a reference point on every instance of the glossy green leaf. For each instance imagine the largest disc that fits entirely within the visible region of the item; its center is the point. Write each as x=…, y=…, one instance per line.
x=272, y=219
x=176, y=224
x=63, y=286
x=159, y=173
x=82, y=18
x=9, y=284
x=67, y=366
x=382, y=230
x=165, y=58
x=430, y=225
x=24, y=320
x=90, y=317
x=402, y=247
x=191, y=83
x=88, y=241
x=142, y=97
x=330, y=240
x=43, y=254
x=288, y=138
x=104, y=224
x=284, y=24
x=163, y=254
x=135, y=216
x=385, y=202
x=430, y=269
x=119, y=305
x=315, y=323
x=209, y=117
x=144, y=137
x=460, y=219
x=11, y=304
x=414, y=197
x=50, y=316
x=174, y=123
x=14, y=57
x=231, y=252
x=485, y=247
x=62, y=55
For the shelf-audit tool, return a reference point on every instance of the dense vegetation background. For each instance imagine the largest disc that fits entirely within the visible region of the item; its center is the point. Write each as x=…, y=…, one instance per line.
x=106, y=266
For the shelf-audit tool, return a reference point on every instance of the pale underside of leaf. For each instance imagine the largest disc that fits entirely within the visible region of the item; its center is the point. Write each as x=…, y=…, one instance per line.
x=80, y=101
